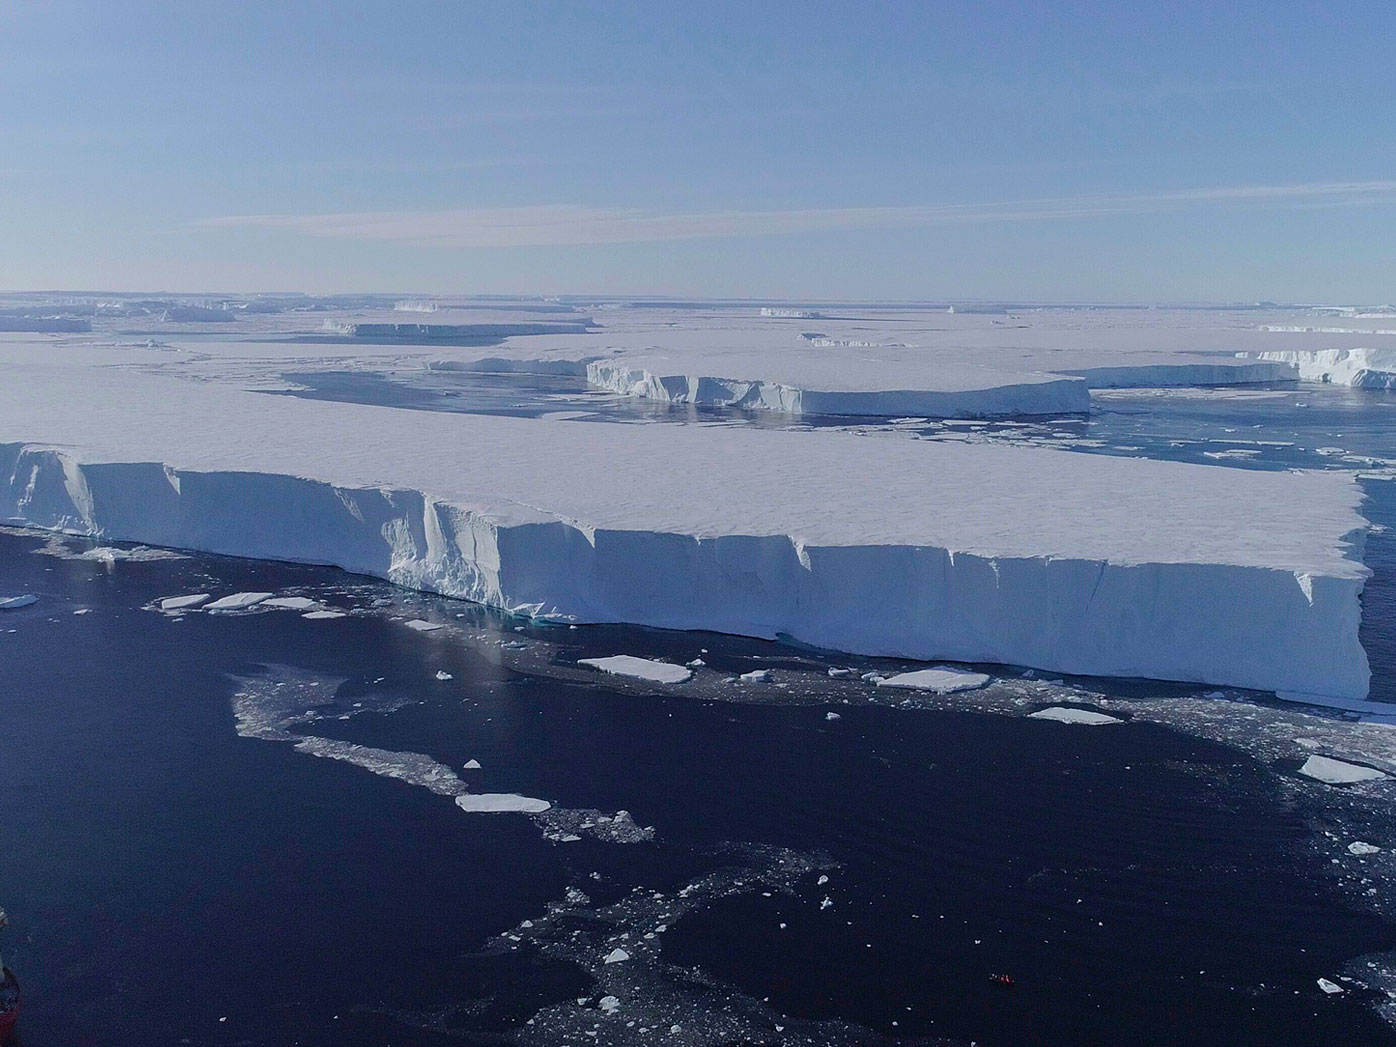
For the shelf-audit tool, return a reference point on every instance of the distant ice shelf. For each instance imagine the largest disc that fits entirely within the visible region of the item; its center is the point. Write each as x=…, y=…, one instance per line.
x=911, y=549
x=1360, y=368
x=946, y=390
x=443, y=332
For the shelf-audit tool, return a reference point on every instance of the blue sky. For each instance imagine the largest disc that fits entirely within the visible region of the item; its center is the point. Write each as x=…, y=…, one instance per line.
x=1051, y=151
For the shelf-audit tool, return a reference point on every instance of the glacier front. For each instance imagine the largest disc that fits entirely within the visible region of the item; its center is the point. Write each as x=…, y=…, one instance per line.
x=975, y=553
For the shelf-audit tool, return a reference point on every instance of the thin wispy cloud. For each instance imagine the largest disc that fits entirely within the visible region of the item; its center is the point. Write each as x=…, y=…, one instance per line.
x=556, y=225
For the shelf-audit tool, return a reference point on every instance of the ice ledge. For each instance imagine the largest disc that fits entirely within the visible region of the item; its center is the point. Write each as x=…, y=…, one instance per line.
x=1360, y=368
x=1259, y=627
x=990, y=396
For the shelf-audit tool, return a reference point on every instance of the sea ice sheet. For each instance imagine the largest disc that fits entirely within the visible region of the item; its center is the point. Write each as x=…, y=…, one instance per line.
x=639, y=668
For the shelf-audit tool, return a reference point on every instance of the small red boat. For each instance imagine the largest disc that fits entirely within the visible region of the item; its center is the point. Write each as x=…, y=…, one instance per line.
x=10, y=1003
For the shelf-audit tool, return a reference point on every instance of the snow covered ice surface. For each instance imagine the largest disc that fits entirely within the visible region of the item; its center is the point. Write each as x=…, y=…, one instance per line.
x=941, y=679
x=1338, y=772
x=237, y=601
x=1065, y=714
x=640, y=668
x=869, y=543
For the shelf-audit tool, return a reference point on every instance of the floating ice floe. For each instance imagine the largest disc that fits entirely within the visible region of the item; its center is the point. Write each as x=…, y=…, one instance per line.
x=423, y=626
x=941, y=679
x=14, y=603
x=316, y=616
x=1067, y=714
x=639, y=668
x=1338, y=772
x=180, y=603
x=442, y=674
x=471, y=765
x=1361, y=848
x=500, y=803
x=617, y=956
x=237, y=602
x=291, y=603
x=1329, y=987
x=756, y=676
x=268, y=707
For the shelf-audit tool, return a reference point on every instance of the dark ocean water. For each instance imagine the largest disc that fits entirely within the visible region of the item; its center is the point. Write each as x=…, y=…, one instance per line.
x=172, y=877
x=171, y=881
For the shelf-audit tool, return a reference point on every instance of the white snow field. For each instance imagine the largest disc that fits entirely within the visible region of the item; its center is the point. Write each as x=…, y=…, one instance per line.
x=889, y=362
x=883, y=546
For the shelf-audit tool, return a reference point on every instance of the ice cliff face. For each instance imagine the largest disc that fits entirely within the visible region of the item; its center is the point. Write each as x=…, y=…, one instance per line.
x=991, y=398
x=1266, y=628
x=1360, y=368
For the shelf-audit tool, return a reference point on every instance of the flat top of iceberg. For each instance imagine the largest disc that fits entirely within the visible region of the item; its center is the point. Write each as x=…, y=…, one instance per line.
x=237, y=601
x=1068, y=714
x=818, y=487
x=942, y=679
x=639, y=668
x=1338, y=772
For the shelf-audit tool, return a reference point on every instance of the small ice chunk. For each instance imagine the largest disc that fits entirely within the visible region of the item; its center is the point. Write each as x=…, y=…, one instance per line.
x=827, y=903
x=1361, y=847
x=617, y=956
x=291, y=603
x=500, y=803
x=1329, y=987
x=942, y=679
x=83, y=610
x=423, y=626
x=179, y=603
x=471, y=765
x=697, y=663
x=832, y=716
x=1338, y=772
x=1066, y=714
x=316, y=616
x=609, y=1004
x=442, y=674
x=836, y=672
x=639, y=668
x=238, y=602
x=756, y=676
x=13, y=603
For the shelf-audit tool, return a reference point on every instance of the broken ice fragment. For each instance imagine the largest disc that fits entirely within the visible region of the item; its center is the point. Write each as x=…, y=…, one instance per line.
x=1338, y=772
x=238, y=602
x=176, y=603
x=941, y=679
x=1066, y=714
x=639, y=668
